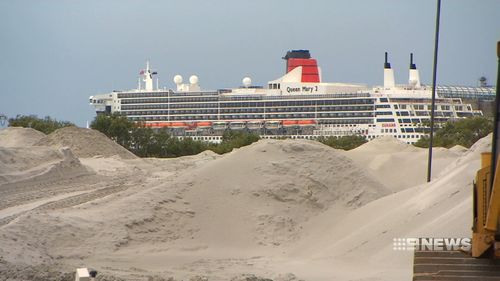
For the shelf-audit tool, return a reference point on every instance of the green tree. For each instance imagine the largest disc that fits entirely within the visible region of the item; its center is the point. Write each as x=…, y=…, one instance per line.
x=233, y=139
x=115, y=126
x=188, y=146
x=344, y=142
x=46, y=125
x=141, y=142
x=464, y=132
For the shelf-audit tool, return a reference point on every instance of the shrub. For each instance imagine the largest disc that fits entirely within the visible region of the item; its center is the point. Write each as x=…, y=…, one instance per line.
x=344, y=142
x=464, y=132
x=46, y=125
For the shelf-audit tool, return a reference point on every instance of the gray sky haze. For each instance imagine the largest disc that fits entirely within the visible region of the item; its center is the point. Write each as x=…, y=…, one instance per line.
x=55, y=54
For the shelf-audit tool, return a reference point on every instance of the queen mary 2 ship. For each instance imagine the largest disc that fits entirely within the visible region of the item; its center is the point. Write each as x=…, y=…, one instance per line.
x=296, y=105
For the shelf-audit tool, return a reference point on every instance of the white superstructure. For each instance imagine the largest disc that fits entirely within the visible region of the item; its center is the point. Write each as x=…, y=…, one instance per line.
x=297, y=105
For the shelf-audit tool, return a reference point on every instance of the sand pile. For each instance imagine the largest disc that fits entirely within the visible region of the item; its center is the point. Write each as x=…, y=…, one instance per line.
x=85, y=143
x=399, y=165
x=19, y=165
x=18, y=137
x=385, y=144
x=267, y=209
x=441, y=208
x=247, y=203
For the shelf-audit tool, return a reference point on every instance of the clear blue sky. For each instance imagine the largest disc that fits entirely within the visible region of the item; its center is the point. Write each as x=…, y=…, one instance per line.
x=55, y=54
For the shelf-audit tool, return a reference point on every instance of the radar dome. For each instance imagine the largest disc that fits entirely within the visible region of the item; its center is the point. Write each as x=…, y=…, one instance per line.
x=247, y=82
x=193, y=79
x=177, y=79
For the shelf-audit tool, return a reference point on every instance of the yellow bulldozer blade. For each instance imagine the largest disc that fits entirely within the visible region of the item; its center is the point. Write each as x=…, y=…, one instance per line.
x=453, y=266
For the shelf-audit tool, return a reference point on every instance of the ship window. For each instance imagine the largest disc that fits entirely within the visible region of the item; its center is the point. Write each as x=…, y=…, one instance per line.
x=385, y=120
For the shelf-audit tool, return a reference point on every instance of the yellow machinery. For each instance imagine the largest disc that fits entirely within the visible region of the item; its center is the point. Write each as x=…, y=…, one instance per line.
x=482, y=262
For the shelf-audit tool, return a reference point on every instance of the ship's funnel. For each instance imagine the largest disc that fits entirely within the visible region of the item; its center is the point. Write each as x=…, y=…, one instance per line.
x=388, y=74
x=310, y=71
x=414, y=78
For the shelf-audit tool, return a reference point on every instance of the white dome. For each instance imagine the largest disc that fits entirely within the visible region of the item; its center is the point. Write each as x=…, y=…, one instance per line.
x=177, y=79
x=247, y=81
x=193, y=79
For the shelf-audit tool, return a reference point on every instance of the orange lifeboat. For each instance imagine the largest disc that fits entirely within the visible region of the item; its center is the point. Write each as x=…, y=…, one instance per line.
x=306, y=122
x=164, y=124
x=204, y=124
x=288, y=123
x=157, y=124
x=151, y=124
x=178, y=125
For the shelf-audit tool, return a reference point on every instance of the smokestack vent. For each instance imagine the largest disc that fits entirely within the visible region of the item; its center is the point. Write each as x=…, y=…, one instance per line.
x=387, y=65
x=412, y=65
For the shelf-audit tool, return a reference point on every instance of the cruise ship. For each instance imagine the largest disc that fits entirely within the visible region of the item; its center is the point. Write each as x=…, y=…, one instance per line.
x=297, y=105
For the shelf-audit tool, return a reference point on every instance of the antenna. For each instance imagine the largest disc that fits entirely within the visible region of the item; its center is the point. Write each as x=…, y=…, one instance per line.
x=386, y=64
x=412, y=65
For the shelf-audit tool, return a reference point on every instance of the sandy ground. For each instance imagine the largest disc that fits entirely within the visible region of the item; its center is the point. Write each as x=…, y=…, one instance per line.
x=283, y=210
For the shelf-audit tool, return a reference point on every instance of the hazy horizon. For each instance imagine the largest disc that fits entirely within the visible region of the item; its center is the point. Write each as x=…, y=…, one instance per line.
x=58, y=53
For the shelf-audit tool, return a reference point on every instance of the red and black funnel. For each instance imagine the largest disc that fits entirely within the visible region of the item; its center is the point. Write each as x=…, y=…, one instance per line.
x=295, y=58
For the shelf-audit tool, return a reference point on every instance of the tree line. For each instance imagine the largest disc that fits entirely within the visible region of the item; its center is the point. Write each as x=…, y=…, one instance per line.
x=464, y=132
x=45, y=125
x=146, y=142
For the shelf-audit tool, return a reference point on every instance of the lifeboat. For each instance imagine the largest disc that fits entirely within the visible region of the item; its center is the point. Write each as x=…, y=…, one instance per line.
x=203, y=124
x=306, y=122
x=164, y=124
x=157, y=124
x=289, y=123
x=178, y=125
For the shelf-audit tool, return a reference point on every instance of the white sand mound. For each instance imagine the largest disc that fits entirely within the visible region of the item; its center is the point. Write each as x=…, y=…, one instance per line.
x=251, y=202
x=85, y=143
x=399, y=165
x=459, y=149
x=385, y=144
x=20, y=165
x=441, y=208
x=18, y=137
x=266, y=209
